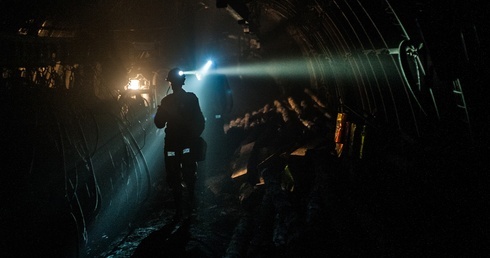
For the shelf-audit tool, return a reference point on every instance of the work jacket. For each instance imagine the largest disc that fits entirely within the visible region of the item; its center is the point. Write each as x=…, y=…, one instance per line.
x=180, y=114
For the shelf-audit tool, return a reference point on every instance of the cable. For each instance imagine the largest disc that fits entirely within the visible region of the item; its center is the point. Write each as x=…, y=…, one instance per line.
x=78, y=233
x=133, y=141
x=91, y=168
x=96, y=133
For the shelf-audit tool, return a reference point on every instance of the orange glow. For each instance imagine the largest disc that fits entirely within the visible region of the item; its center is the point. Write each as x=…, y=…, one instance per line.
x=239, y=173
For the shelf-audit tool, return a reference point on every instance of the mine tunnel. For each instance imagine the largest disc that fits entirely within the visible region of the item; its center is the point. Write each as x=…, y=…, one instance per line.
x=333, y=127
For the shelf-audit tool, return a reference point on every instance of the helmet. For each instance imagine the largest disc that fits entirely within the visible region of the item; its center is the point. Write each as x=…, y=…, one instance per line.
x=175, y=75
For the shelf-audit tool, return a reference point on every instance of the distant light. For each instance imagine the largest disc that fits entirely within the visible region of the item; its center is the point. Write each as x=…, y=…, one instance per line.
x=134, y=85
x=181, y=73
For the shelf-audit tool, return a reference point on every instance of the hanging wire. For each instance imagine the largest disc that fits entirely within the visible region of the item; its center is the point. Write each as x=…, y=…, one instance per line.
x=124, y=130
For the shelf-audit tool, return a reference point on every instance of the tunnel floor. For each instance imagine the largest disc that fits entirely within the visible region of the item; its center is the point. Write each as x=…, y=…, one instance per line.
x=335, y=209
x=224, y=226
x=156, y=234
